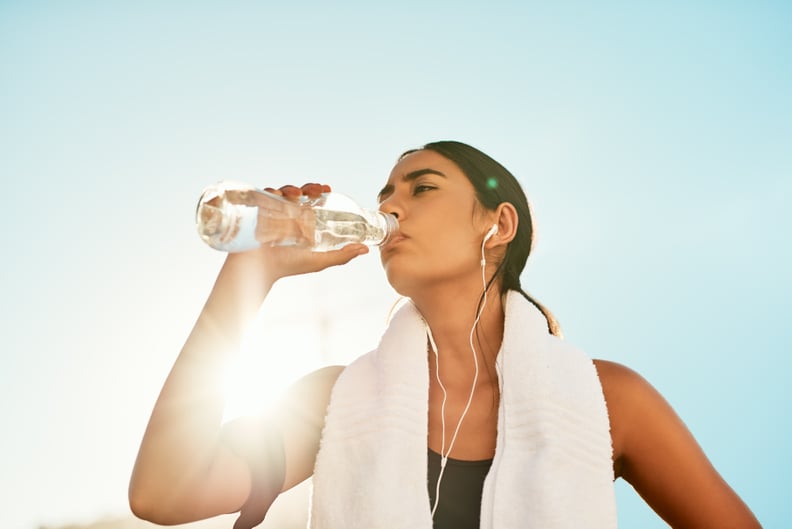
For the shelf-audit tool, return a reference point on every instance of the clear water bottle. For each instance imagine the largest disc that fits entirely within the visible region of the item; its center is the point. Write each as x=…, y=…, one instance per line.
x=235, y=217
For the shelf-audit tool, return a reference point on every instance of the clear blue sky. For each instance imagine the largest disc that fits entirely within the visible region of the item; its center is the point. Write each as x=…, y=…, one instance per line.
x=654, y=141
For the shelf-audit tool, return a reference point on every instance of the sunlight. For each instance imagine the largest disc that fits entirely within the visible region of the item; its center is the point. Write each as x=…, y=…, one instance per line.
x=304, y=324
x=275, y=352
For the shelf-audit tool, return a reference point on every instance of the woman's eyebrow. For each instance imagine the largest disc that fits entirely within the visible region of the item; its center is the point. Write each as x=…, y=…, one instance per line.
x=409, y=177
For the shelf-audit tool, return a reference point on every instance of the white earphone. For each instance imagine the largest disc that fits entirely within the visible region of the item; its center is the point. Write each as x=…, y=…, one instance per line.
x=493, y=230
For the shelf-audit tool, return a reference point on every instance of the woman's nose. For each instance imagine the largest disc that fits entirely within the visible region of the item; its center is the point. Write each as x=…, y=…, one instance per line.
x=390, y=207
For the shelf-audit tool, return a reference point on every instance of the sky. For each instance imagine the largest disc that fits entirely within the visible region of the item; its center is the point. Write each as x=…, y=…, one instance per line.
x=654, y=141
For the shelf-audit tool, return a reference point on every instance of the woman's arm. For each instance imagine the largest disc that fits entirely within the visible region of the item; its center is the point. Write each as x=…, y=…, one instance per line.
x=183, y=472
x=189, y=467
x=656, y=453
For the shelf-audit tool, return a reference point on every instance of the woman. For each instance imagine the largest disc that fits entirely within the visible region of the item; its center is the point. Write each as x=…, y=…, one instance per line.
x=522, y=429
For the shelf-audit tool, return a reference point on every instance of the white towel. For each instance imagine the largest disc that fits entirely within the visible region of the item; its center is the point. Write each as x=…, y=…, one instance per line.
x=553, y=459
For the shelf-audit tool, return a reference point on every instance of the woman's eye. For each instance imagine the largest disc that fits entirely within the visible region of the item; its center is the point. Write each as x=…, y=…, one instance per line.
x=420, y=188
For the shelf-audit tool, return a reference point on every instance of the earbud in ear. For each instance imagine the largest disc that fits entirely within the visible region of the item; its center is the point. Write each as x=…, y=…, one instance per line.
x=493, y=230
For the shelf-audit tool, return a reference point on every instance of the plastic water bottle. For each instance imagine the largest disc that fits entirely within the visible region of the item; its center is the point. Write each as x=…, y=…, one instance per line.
x=235, y=217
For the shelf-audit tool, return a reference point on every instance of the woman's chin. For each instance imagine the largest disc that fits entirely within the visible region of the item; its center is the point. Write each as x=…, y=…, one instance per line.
x=399, y=277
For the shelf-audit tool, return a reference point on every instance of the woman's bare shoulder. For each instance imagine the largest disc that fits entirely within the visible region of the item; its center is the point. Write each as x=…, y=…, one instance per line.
x=624, y=388
x=632, y=404
x=611, y=372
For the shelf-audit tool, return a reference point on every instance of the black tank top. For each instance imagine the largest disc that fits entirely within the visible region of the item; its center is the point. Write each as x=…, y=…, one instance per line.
x=460, y=491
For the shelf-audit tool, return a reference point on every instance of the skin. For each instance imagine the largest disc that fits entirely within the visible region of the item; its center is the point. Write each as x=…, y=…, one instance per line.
x=187, y=468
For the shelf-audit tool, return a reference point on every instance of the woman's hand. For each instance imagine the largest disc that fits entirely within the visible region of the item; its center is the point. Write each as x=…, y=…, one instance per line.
x=283, y=261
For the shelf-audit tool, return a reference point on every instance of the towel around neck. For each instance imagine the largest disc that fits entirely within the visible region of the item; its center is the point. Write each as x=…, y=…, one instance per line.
x=553, y=460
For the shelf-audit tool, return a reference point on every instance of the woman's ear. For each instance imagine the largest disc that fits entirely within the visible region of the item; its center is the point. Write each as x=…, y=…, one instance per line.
x=505, y=218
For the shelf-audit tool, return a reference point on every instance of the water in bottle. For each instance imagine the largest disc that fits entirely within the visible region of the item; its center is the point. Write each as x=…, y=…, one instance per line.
x=235, y=217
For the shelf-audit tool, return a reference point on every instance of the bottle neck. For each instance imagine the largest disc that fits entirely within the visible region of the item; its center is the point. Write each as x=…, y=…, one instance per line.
x=389, y=224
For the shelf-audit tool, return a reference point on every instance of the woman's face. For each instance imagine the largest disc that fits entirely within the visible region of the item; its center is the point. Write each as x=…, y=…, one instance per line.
x=441, y=224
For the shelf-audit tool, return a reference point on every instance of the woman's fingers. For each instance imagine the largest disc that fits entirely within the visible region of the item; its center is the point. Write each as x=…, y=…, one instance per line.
x=311, y=191
x=291, y=192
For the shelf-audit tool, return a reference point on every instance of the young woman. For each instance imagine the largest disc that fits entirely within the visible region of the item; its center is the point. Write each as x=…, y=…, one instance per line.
x=472, y=412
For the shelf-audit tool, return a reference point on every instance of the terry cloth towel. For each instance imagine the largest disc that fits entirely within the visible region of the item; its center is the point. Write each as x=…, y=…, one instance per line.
x=553, y=460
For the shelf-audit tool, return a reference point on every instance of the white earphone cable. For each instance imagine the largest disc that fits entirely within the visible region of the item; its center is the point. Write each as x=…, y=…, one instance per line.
x=445, y=453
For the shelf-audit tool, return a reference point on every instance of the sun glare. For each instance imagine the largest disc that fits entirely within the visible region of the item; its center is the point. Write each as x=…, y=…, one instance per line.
x=273, y=355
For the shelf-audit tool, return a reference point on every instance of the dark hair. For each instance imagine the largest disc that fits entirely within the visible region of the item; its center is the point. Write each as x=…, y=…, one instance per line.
x=494, y=184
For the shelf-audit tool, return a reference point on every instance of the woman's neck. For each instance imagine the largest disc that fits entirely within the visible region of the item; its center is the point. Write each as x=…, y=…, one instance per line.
x=451, y=317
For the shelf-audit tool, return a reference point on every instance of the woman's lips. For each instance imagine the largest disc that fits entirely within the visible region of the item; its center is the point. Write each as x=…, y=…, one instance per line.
x=395, y=239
